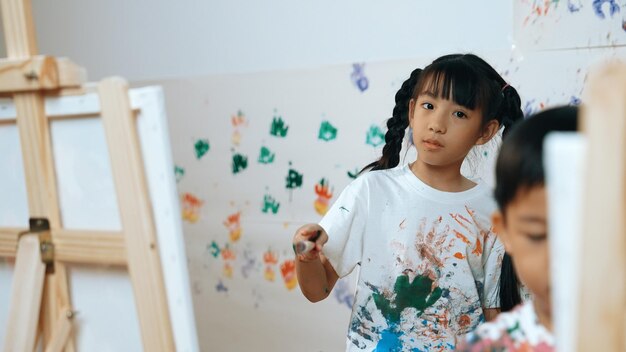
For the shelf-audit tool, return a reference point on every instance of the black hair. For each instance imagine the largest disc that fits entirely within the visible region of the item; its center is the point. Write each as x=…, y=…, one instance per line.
x=519, y=167
x=465, y=79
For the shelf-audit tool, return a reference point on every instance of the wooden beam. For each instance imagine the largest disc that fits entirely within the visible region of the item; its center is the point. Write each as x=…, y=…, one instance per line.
x=144, y=265
x=75, y=246
x=62, y=333
x=39, y=73
x=28, y=279
x=602, y=307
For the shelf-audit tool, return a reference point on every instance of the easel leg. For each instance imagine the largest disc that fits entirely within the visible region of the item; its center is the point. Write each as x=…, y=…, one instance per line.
x=62, y=332
x=26, y=293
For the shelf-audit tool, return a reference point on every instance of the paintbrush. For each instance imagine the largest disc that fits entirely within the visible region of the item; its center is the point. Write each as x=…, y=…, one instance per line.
x=304, y=247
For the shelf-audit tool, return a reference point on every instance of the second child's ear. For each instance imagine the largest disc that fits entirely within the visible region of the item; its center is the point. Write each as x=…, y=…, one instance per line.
x=488, y=132
x=499, y=228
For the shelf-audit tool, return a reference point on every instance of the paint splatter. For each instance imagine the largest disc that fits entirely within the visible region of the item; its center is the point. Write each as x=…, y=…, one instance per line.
x=459, y=255
x=358, y=77
x=266, y=156
x=220, y=287
x=327, y=132
x=191, y=207
x=249, y=263
x=270, y=204
x=278, y=128
x=288, y=271
x=402, y=225
x=419, y=294
x=240, y=163
x=214, y=249
x=343, y=294
x=201, y=147
x=324, y=194
x=389, y=340
x=294, y=179
x=233, y=224
x=228, y=256
x=270, y=259
x=375, y=136
x=353, y=174
x=574, y=100
x=598, y=11
x=179, y=172
x=238, y=121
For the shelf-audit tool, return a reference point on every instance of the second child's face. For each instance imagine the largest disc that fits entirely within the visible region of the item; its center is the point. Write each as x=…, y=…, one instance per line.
x=524, y=231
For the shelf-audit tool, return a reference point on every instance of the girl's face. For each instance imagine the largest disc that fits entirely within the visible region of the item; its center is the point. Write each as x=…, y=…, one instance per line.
x=523, y=229
x=444, y=132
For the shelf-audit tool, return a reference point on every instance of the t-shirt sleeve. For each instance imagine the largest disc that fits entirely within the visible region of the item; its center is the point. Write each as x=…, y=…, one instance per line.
x=345, y=225
x=494, y=251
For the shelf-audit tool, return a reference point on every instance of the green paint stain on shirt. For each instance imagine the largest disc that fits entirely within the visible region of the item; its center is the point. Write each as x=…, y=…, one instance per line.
x=418, y=294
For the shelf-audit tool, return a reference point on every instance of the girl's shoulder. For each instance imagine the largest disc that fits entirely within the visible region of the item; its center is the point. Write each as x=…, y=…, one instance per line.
x=517, y=330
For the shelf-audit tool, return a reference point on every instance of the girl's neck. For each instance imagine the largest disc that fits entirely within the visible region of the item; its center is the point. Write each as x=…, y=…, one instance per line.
x=446, y=178
x=542, y=311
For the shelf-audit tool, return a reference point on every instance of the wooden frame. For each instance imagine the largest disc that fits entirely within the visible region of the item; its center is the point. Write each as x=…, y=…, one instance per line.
x=27, y=77
x=602, y=303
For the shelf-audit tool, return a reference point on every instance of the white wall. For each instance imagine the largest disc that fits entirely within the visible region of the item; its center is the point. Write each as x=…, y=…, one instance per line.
x=154, y=39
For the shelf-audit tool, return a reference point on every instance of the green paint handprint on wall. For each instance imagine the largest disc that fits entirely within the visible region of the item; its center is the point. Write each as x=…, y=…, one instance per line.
x=266, y=156
x=327, y=132
x=278, y=128
x=201, y=147
x=375, y=136
x=240, y=163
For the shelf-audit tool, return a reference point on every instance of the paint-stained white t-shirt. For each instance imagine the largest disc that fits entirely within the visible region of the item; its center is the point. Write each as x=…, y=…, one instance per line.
x=428, y=259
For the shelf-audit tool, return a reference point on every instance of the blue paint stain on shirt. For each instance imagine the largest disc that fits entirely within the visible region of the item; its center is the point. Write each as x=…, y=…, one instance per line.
x=389, y=341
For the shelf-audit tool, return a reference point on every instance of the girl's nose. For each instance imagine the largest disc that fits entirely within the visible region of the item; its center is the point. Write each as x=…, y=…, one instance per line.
x=436, y=124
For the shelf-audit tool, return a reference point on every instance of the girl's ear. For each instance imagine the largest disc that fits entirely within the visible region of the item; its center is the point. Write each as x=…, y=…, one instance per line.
x=488, y=132
x=411, y=109
x=499, y=228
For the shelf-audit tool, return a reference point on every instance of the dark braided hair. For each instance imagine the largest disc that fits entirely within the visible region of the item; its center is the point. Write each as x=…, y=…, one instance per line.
x=464, y=78
x=396, y=125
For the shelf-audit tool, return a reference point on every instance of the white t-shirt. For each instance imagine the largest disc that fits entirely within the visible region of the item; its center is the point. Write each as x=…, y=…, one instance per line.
x=428, y=260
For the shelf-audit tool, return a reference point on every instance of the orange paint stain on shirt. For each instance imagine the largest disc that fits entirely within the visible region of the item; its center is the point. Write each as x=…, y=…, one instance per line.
x=459, y=255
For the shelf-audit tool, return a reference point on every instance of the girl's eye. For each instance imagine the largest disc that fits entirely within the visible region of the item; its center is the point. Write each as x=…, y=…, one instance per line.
x=538, y=237
x=460, y=114
x=428, y=106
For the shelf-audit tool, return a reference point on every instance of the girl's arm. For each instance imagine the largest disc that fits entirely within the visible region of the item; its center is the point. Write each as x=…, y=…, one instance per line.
x=491, y=313
x=316, y=276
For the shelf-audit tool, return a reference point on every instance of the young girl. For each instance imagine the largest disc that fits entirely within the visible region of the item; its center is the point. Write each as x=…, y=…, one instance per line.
x=521, y=224
x=429, y=264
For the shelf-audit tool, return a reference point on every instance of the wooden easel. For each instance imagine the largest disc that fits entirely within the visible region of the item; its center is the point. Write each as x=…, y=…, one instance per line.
x=40, y=301
x=601, y=322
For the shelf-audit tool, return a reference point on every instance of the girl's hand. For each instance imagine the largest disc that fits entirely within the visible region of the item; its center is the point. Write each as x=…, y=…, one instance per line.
x=310, y=233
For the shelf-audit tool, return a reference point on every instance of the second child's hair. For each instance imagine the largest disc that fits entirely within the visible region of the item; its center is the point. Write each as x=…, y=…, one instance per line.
x=465, y=79
x=519, y=167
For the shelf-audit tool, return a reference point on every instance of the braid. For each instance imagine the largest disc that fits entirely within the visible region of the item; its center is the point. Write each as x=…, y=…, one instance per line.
x=511, y=110
x=396, y=126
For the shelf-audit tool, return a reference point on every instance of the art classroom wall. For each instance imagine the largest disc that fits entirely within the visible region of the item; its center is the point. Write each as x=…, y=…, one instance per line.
x=229, y=154
x=257, y=155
